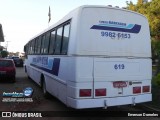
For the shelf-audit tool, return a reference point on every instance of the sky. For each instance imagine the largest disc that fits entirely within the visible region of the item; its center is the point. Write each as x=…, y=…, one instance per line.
x=23, y=19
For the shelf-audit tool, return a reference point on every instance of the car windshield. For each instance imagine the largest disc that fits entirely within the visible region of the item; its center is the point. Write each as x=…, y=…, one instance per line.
x=6, y=63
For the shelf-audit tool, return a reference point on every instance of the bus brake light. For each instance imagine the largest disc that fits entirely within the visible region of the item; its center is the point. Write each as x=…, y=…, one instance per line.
x=100, y=92
x=85, y=92
x=136, y=90
x=146, y=89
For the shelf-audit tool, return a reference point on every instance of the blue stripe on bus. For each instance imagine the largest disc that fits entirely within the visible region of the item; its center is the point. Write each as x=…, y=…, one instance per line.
x=135, y=29
x=55, y=67
x=130, y=26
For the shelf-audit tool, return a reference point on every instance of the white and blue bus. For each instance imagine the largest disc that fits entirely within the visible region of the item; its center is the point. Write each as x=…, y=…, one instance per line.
x=96, y=56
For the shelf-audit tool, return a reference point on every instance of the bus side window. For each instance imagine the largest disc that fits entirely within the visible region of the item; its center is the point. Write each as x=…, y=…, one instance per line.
x=42, y=44
x=26, y=50
x=33, y=46
x=52, y=42
x=36, y=46
x=29, y=48
x=46, y=43
x=65, y=39
x=58, y=41
x=39, y=45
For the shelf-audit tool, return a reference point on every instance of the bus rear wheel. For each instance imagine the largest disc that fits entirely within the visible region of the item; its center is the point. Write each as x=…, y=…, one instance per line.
x=45, y=93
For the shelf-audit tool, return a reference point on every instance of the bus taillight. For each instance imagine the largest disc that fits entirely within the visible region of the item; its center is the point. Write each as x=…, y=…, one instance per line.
x=85, y=92
x=100, y=92
x=146, y=89
x=136, y=90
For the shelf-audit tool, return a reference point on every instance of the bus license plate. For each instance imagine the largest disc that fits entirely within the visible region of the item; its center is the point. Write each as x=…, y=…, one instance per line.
x=119, y=84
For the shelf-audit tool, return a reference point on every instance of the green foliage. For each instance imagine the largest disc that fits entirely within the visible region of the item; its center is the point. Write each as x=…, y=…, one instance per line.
x=156, y=80
x=152, y=11
x=4, y=54
x=155, y=49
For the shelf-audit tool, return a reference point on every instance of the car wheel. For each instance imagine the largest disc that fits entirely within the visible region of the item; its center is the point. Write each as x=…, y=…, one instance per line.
x=14, y=79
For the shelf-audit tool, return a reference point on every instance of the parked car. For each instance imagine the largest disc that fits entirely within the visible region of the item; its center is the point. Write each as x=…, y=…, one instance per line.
x=7, y=70
x=17, y=61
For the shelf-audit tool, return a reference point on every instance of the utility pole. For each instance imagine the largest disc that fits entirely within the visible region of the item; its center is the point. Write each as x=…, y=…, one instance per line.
x=7, y=44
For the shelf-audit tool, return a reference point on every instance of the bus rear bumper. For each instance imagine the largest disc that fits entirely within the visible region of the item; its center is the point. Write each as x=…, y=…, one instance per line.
x=106, y=102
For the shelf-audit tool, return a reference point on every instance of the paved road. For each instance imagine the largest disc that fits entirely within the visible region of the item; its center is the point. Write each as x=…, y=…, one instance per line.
x=41, y=104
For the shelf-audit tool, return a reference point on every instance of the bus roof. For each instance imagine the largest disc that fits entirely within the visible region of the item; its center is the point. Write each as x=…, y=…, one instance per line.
x=78, y=10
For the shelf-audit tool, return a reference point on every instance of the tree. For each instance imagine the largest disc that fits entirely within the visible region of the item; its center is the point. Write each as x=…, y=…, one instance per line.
x=4, y=54
x=140, y=2
x=152, y=11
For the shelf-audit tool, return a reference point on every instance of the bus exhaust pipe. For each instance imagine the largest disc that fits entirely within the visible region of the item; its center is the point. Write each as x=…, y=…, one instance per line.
x=133, y=101
x=105, y=104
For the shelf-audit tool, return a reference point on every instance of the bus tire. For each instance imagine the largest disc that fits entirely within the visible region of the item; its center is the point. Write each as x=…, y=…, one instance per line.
x=13, y=79
x=45, y=93
x=28, y=77
x=25, y=69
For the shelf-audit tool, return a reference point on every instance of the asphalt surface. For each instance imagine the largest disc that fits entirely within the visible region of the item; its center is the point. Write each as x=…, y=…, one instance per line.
x=53, y=105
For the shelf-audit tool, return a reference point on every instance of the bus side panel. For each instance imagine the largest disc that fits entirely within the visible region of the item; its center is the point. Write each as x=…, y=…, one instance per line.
x=60, y=82
x=84, y=69
x=56, y=88
x=32, y=72
x=83, y=76
x=56, y=82
x=57, y=85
